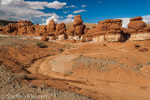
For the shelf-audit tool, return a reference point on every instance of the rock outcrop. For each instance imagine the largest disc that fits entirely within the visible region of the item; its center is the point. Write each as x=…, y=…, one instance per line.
x=51, y=27
x=109, y=30
x=77, y=30
x=61, y=31
x=138, y=29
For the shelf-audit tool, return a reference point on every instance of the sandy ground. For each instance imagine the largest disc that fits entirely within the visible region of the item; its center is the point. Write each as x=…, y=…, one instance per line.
x=117, y=71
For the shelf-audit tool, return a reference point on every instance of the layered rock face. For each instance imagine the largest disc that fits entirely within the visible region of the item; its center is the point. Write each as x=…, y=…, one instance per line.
x=138, y=29
x=61, y=31
x=51, y=27
x=77, y=29
x=108, y=30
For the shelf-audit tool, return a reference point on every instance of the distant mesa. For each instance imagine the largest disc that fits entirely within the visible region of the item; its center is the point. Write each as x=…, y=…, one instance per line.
x=109, y=30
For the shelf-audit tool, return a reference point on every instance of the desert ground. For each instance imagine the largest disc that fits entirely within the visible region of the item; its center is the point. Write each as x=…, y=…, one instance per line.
x=63, y=70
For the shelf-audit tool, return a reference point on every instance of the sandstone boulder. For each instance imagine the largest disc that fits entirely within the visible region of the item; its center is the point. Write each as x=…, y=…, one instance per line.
x=79, y=30
x=77, y=20
x=137, y=25
x=44, y=38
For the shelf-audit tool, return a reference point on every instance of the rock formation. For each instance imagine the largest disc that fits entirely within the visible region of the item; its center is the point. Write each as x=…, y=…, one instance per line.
x=51, y=27
x=77, y=30
x=61, y=31
x=138, y=29
x=109, y=30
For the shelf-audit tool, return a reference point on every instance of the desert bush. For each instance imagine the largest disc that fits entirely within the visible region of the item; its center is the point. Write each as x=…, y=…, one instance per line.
x=136, y=45
x=41, y=45
x=143, y=50
x=61, y=49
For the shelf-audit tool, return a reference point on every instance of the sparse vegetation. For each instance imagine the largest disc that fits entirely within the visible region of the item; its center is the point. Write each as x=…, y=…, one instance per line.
x=143, y=50
x=41, y=45
x=136, y=45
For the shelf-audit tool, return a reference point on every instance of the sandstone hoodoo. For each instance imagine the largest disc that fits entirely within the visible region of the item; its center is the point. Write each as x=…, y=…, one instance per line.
x=51, y=27
x=77, y=30
x=138, y=29
x=109, y=30
x=61, y=31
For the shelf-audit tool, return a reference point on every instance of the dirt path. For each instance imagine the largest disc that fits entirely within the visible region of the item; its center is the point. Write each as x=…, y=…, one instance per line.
x=117, y=88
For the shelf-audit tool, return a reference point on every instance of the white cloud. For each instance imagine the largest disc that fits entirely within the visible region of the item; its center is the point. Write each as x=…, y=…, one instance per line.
x=59, y=19
x=26, y=10
x=146, y=18
x=34, y=5
x=83, y=6
x=56, y=5
x=65, y=12
x=53, y=17
x=71, y=6
x=70, y=16
x=78, y=11
x=127, y=20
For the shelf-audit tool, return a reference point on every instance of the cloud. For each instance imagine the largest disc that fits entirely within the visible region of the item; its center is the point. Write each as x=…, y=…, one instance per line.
x=70, y=16
x=146, y=18
x=127, y=20
x=56, y=5
x=59, y=19
x=27, y=10
x=83, y=6
x=34, y=5
x=54, y=17
x=64, y=11
x=71, y=6
x=78, y=11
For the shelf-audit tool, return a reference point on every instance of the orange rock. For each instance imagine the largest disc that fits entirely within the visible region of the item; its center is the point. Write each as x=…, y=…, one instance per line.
x=137, y=25
x=114, y=27
x=79, y=29
x=136, y=18
x=51, y=27
x=44, y=38
x=77, y=20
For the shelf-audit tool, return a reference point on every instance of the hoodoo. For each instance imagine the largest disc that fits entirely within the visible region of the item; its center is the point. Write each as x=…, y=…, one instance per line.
x=109, y=30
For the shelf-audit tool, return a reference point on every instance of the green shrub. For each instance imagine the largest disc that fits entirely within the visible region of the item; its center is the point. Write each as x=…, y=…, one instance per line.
x=41, y=45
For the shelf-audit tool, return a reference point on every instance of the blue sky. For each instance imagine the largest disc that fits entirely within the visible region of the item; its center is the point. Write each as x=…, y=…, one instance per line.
x=92, y=11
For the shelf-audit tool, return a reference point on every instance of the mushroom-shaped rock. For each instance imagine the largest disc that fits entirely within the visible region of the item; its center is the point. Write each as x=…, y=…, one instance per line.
x=77, y=20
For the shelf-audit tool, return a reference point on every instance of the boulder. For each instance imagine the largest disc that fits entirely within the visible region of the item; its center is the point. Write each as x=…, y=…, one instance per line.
x=137, y=25
x=44, y=38
x=79, y=30
x=77, y=20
